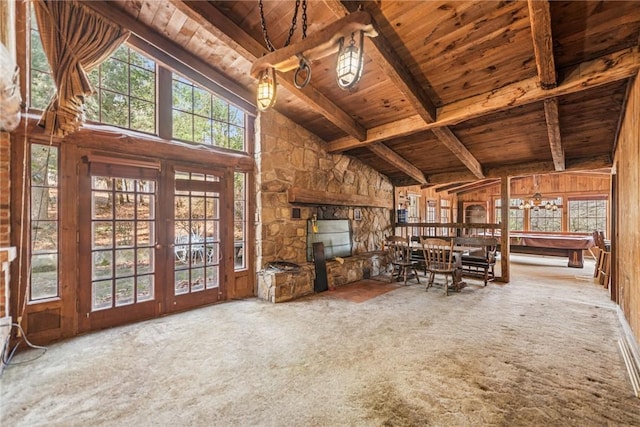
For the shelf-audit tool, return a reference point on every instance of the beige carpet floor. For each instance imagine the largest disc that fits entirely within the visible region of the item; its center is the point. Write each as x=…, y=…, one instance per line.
x=539, y=351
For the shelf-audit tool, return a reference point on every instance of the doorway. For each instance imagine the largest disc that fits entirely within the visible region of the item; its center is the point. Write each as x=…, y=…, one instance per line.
x=149, y=240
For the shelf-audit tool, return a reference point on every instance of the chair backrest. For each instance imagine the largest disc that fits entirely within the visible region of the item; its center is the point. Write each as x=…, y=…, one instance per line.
x=438, y=253
x=485, y=247
x=398, y=248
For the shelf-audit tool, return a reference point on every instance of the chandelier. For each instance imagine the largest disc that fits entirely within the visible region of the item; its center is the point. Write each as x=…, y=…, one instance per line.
x=536, y=203
x=344, y=36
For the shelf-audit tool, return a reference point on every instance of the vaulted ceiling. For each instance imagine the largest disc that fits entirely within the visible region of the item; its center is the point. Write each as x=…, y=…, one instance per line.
x=452, y=91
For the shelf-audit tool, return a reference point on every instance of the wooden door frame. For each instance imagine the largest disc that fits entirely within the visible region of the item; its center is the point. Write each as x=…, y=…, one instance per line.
x=89, y=320
x=172, y=302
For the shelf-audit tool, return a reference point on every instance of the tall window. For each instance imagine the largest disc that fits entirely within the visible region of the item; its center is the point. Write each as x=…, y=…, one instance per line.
x=587, y=215
x=445, y=215
x=201, y=117
x=516, y=215
x=240, y=220
x=42, y=86
x=125, y=91
x=44, y=222
x=413, y=212
x=431, y=211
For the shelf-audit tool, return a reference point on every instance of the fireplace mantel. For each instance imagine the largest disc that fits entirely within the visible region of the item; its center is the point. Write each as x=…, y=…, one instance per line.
x=316, y=197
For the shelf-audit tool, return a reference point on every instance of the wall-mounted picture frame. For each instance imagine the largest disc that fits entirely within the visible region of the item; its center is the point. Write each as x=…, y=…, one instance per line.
x=357, y=214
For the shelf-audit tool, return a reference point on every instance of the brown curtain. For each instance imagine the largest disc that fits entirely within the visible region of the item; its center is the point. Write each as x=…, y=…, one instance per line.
x=75, y=40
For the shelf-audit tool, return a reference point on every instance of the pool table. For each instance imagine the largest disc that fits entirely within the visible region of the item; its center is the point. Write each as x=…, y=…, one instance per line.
x=569, y=245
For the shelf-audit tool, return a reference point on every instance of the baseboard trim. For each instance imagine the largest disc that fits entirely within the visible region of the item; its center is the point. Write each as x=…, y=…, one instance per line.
x=630, y=353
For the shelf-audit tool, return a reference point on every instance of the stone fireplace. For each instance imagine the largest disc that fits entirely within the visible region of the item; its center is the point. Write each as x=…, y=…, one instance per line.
x=295, y=172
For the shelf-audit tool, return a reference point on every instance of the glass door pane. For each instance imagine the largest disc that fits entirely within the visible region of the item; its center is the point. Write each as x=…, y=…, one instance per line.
x=123, y=224
x=197, y=233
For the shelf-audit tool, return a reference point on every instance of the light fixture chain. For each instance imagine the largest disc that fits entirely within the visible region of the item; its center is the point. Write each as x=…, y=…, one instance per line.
x=264, y=28
x=292, y=29
x=293, y=23
x=304, y=19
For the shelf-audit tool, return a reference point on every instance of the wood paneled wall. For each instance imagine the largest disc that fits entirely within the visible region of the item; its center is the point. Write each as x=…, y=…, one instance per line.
x=627, y=227
x=548, y=185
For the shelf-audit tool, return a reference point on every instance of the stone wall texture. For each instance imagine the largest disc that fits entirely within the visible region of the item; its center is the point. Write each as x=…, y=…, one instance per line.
x=288, y=155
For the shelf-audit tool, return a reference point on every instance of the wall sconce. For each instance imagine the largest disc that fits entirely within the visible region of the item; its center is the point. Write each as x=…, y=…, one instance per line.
x=298, y=56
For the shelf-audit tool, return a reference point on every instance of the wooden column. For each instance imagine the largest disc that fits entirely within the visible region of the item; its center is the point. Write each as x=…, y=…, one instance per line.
x=505, y=194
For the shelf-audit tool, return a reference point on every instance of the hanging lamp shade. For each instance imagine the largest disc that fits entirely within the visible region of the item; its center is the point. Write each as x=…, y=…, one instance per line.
x=266, y=95
x=350, y=62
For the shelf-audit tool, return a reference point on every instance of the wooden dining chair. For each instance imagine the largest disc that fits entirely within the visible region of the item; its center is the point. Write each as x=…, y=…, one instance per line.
x=438, y=256
x=400, y=258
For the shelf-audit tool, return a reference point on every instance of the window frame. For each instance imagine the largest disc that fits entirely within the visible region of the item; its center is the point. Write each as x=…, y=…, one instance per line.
x=588, y=198
x=30, y=247
x=99, y=89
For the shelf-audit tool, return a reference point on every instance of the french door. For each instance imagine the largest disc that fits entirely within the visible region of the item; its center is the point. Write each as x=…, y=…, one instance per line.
x=149, y=242
x=194, y=267
x=118, y=246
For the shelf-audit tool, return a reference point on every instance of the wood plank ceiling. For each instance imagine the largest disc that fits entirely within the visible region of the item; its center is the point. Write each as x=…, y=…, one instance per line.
x=452, y=91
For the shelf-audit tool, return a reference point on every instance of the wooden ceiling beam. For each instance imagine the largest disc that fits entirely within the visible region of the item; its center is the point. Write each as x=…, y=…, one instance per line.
x=218, y=24
x=452, y=142
x=553, y=130
x=382, y=53
x=448, y=187
x=540, y=18
x=475, y=185
x=524, y=169
x=601, y=71
x=390, y=156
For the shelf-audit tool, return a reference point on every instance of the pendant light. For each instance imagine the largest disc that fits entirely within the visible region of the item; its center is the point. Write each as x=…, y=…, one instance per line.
x=266, y=94
x=350, y=62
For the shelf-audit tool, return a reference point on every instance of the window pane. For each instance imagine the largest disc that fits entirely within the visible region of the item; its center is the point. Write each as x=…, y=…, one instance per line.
x=587, y=215
x=92, y=108
x=143, y=84
x=122, y=53
x=239, y=221
x=141, y=61
x=227, y=127
x=220, y=110
x=202, y=130
x=202, y=102
x=102, y=264
x=125, y=93
x=182, y=97
x=236, y=116
x=220, y=134
x=115, y=109
x=182, y=126
x=143, y=116
x=236, y=138
x=44, y=276
x=145, y=288
x=114, y=76
x=38, y=58
x=42, y=89
x=44, y=222
x=44, y=236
